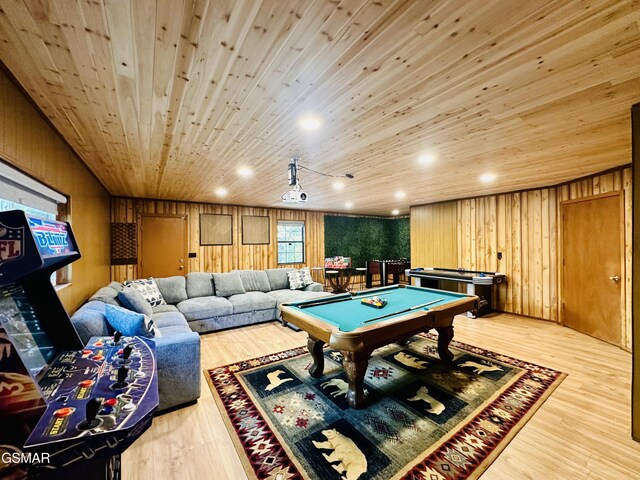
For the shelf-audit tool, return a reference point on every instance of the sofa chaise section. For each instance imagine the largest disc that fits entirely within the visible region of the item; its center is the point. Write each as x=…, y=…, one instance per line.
x=177, y=350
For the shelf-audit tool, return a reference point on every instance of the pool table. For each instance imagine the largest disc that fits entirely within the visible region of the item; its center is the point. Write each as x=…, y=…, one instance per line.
x=355, y=329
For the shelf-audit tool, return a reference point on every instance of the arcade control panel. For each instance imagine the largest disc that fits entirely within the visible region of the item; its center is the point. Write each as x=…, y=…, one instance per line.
x=99, y=399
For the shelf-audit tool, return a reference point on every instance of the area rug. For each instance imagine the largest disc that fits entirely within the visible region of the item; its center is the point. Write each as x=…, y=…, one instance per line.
x=424, y=419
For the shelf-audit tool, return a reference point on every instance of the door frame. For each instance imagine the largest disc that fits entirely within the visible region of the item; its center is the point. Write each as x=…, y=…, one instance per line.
x=623, y=276
x=184, y=217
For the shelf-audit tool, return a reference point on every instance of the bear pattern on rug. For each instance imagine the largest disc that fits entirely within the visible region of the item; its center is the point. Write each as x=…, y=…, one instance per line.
x=415, y=404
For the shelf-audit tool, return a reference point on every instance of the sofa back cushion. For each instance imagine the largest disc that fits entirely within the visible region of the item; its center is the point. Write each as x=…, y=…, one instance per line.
x=117, y=286
x=228, y=284
x=132, y=299
x=278, y=278
x=199, y=284
x=106, y=295
x=90, y=321
x=173, y=289
x=255, y=280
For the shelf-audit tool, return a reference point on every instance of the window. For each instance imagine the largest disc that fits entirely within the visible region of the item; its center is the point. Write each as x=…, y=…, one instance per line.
x=6, y=204
x=20, y=192
x=290, y=242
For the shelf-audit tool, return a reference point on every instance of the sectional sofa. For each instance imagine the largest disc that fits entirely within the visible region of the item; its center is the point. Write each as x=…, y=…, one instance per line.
x=199, y=303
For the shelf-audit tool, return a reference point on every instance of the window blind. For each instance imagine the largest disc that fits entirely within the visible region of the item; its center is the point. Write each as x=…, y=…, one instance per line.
x=20, y=188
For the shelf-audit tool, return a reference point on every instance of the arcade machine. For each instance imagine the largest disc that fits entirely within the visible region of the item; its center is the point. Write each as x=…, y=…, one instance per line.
x=67, y=410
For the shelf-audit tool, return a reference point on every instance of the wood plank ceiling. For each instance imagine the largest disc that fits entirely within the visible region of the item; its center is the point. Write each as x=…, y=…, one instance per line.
x=168, y=98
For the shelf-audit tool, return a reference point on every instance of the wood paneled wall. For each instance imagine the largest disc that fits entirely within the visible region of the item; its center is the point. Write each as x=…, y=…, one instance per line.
x=31, y=145
x=635, y=296
x=525, y=227
x=223, y=258
x=433, y=235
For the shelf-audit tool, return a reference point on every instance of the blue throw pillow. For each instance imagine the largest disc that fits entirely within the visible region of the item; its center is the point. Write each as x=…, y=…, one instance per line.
x=130, y=323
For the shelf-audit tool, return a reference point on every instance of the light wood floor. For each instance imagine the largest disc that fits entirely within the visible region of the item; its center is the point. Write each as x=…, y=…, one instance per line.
x=581, y=432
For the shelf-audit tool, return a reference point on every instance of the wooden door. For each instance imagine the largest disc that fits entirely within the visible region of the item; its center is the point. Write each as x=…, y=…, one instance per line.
x=163, y=246
x=592, y=269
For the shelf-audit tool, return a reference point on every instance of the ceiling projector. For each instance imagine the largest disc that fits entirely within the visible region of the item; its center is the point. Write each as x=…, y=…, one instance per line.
x=295, y=196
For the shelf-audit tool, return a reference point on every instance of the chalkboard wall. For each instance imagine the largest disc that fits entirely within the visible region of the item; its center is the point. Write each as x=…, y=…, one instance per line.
x=363, y=238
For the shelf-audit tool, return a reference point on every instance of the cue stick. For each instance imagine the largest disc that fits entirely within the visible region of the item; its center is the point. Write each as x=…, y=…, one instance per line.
x=403, y=311
x=325, y=302
x=372, y=295
x=336, y=300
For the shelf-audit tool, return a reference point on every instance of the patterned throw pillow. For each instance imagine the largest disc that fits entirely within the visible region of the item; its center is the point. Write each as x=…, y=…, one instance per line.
x=149, y=290
x=307, y=279
x=295, y=280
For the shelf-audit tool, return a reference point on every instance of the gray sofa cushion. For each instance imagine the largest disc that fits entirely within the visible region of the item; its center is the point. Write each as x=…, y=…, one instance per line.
x=132, y=299
x=227, y=284
x=164, y=308
x=200, y=285
x=90, y=321
x=254, y=280
x=106, y=295
x=251, y=301
x=287, y=295
x=314, y=287
x=169, y=319
x=179, y=371
x=174, y=330
x=205, y=307
x=278, y=278
x=173, y=289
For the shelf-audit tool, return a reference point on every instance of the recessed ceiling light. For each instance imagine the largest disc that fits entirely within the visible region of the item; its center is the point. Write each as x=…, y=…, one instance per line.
x=395, y=212
x=338, y=185
x=487, y=177
x=245, y=171
x=310, y=123
x=400, y=194
x=348, y=204
x=426, y=159
x=221, y=192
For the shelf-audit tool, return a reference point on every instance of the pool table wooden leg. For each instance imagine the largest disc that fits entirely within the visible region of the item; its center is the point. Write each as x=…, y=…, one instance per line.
x=445, y=335
x=315, y=349
x=355, y=366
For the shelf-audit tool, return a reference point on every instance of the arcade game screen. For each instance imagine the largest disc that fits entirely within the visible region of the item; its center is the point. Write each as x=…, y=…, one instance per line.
x=52, y=237
x=21, y=323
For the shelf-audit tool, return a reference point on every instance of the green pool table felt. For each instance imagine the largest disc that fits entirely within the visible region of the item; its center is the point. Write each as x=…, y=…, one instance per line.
x=349, y=314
